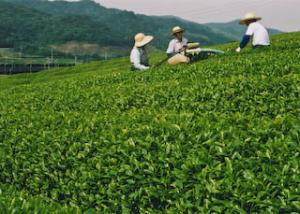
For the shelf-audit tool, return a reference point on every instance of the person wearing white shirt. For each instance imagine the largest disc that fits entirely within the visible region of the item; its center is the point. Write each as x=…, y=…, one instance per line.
x=255, y=30
x=139, y=56
x=179, y=43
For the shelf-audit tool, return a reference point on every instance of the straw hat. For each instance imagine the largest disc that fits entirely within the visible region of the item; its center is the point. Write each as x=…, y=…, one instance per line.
x=177, y=29
x=178, y=59
x=249, y=16
x=142, y=40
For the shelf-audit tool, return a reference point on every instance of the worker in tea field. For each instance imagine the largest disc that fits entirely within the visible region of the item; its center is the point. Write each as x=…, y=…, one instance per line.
x=139, y=55
x=255, y=30
x=181, y=51
x=176, y=46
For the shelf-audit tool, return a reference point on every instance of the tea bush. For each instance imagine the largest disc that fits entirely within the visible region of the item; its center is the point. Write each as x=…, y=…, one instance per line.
x=218, y=136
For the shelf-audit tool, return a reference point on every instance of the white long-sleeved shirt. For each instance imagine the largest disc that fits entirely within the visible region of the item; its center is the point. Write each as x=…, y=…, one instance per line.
x=137, y=56
x=259, y=33
x=175, y=46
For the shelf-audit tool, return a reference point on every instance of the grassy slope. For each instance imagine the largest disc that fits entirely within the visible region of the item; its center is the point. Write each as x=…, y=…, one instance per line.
x=220, y=134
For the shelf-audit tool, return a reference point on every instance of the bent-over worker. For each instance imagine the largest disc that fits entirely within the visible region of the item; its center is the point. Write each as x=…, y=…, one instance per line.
x=255, y=30
x=139, y=55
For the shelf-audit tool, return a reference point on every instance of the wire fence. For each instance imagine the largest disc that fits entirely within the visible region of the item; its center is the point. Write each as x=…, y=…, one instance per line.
x=17, y=65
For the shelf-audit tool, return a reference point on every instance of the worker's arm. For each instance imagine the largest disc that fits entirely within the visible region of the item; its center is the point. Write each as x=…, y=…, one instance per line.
x=245, y=41
x=246, y=38
x=185, y=42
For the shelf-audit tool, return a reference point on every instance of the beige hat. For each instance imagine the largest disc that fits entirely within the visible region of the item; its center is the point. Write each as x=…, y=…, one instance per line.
x=249, y=16
x=178, y=59
x=142, y=40
x=177, y=29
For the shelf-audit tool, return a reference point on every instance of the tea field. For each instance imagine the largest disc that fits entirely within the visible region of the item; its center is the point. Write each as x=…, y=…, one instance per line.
x=218, y=136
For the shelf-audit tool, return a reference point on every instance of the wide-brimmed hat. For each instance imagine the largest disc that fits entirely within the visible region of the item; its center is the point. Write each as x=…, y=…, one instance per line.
x=142, y=40
x=177, y=29
x=249, y=16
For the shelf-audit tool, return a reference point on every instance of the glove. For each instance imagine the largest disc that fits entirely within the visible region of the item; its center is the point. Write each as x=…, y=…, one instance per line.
x=238, y=50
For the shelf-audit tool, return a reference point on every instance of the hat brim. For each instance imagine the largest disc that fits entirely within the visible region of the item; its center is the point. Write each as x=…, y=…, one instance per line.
x=145, y=41
x=243, y=21
x=177, y=31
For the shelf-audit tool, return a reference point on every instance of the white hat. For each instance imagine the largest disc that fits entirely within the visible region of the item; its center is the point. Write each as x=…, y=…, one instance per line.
x=249, y=16
x=177, y=29
x=142, y=40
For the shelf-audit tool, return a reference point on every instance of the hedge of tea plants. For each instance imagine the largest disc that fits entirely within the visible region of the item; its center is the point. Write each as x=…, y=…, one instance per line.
x=218, y=136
